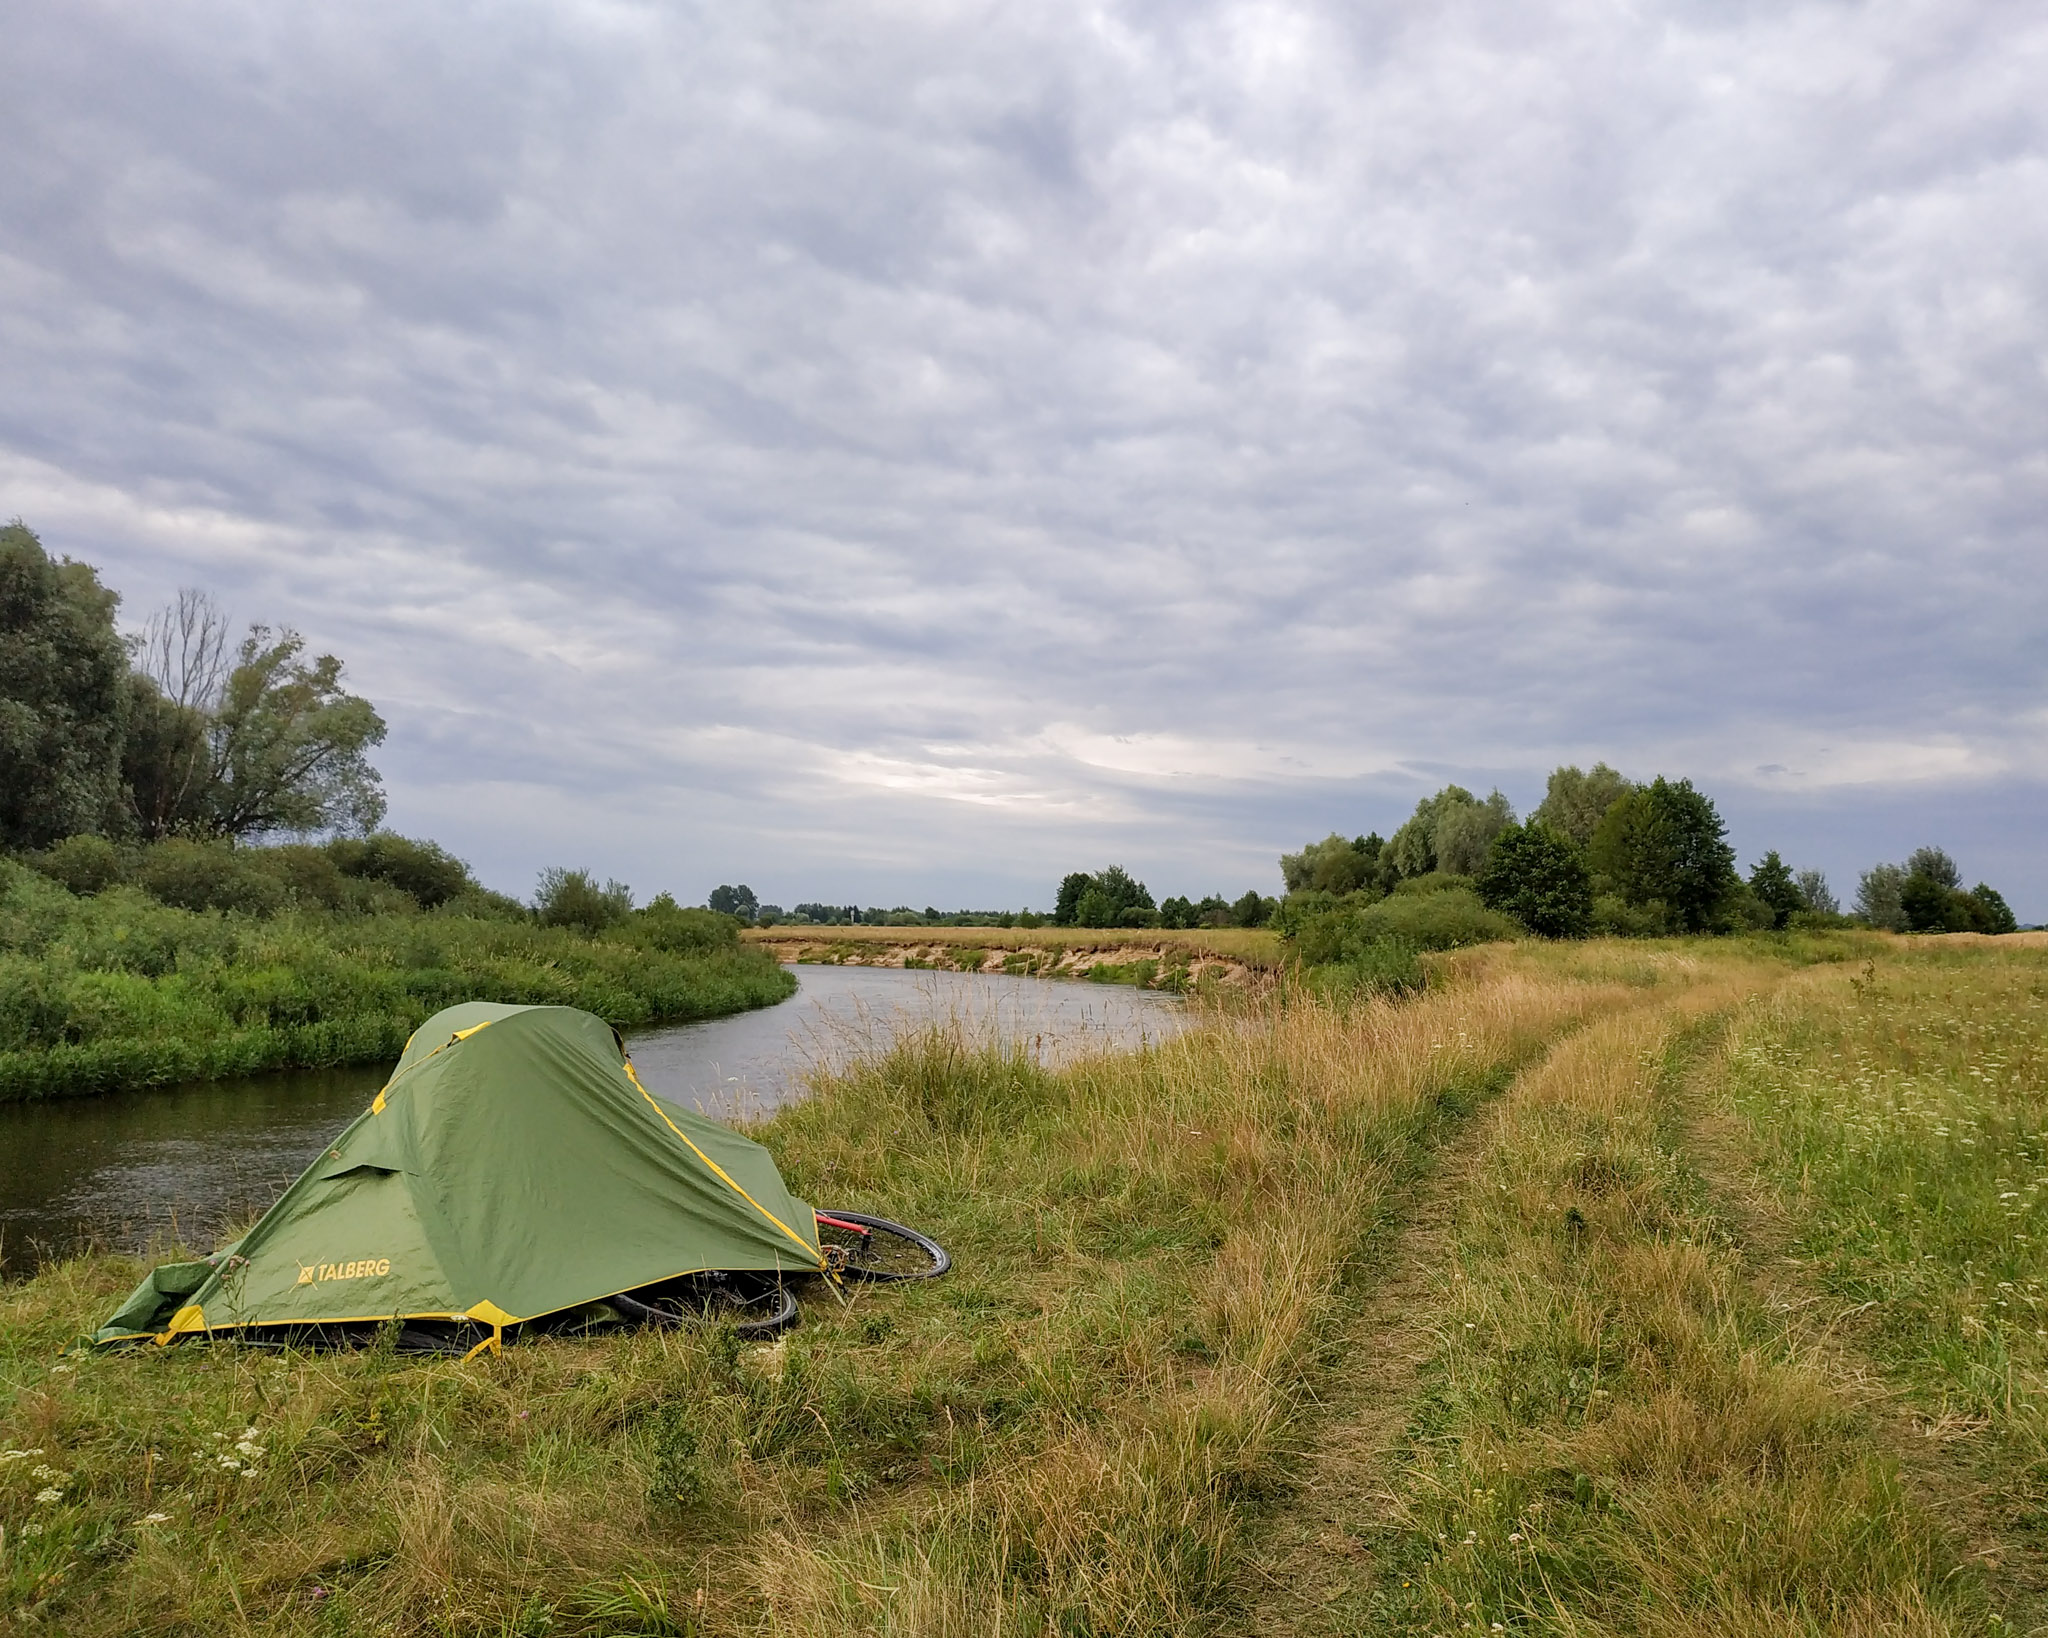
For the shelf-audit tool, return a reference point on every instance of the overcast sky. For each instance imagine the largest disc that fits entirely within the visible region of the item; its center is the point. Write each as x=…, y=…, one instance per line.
x=901, y=453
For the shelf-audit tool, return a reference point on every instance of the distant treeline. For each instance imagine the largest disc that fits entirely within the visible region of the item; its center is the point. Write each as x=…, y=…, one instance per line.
x=1107, y=898
x=1600, y=854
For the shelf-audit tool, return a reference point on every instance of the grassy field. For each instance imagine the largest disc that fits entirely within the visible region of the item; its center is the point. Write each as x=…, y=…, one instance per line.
x=1601, y=1288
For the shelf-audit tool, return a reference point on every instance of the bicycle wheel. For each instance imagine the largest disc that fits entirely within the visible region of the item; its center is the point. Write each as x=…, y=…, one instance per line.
x=773, y=1311
x=872, y=1248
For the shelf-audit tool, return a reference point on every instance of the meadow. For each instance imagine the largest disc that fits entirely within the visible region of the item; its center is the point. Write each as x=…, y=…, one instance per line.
x=118, y=989
x=1611, y=1287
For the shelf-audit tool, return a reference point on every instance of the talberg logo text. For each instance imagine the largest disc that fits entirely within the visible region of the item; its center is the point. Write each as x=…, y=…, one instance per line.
x=320, y=1273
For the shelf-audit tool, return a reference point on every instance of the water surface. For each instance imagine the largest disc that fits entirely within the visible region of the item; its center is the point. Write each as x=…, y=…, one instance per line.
x=137, y=1169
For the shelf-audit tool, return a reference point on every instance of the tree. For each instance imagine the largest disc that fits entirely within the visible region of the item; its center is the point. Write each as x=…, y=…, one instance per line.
x=1877, y=897
x=1574, y=803
x=1114, y=898
x=1813, y=888
x=286, y=746
x=1252, y=910
x=1449, y=831
x=64, y=696
x=1538, y=875
x=1771, y=881
x=182, y=665
x=1936, y=866
x=1931, y=899
x=1662, y=844
x=1176, y=912
x=1068, y=903
x=572, y=898
x=1465, y=833
x=1333, y=865
x=1924, y=902
x=1996, y=914
x=738, y=901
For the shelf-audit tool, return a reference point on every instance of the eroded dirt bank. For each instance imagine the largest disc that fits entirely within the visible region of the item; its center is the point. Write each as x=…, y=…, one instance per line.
x=1161, y=966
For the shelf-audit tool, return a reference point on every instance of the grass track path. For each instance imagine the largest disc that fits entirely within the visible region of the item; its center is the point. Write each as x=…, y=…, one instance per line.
x=1312, y=1574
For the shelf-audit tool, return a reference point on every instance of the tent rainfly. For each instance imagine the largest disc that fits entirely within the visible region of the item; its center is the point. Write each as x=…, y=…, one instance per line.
x=512, y=1167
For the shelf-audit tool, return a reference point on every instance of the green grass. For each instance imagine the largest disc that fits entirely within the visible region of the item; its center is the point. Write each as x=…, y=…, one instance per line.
x=1896, y=1115
x=119, y=990
x=1063, y=1435
x=1087, y=1426
x=1620, y=1435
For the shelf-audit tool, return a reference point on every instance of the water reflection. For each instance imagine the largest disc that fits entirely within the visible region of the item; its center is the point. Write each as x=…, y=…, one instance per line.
x=140, y=1169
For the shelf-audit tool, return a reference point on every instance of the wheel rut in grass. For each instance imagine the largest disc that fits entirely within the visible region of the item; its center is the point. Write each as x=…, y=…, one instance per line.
x=1938, y=1460
x=1311, y=1572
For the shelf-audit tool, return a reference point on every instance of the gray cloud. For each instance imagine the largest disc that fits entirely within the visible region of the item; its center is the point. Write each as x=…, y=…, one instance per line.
x=903, y=454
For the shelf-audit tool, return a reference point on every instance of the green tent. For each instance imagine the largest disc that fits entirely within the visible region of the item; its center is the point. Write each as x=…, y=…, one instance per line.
x=512, y=1167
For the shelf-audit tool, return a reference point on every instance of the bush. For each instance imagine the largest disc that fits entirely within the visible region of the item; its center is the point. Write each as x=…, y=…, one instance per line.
x=1615, y=917
x=208, y=876
x=1814, y=921
x=1385, y=966
x=572, y=898
x=424, y=871
x=1431, y=881
x=121, y=991
x=1743, y=911
x=85, y=864
x=667, y=926
x=1443, y=920
x=310, y=878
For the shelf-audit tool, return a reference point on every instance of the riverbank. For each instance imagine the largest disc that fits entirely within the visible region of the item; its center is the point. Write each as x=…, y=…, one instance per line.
x=1324, y=1316
x=117, y=990
x=1231, y=958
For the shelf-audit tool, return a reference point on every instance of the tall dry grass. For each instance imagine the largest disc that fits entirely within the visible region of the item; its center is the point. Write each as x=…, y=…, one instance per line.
x=1621, y=1435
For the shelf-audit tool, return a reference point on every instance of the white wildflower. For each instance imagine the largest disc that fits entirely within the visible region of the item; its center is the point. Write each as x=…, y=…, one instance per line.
x=43, y=1470
x=49, y=1493
x=28, y=1530
x=19, y=1455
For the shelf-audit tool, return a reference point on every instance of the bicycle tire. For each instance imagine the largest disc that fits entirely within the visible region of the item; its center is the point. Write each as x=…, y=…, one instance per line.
x=779, y=1301
x=889, y=1251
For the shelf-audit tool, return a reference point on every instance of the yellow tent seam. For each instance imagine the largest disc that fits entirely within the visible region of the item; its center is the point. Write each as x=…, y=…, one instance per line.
x=724, y=1176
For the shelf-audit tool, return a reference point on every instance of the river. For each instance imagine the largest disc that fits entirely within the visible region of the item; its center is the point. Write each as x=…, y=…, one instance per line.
x=137, y=1170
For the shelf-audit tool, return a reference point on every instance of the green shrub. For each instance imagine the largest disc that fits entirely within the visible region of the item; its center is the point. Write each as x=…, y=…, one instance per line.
x=666, y=925
x=1384, y=966
x=1743, y=911
x=1445, y=919
x=572, y=898
x=1433, y=881
x=424, y=871
x=1615, y=917
x=308, y=876
x=121, y=990
x=84, y=864
x=1813, y=921
x=208, y=876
